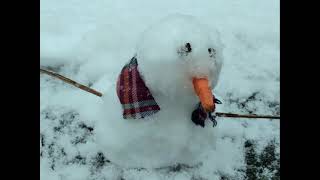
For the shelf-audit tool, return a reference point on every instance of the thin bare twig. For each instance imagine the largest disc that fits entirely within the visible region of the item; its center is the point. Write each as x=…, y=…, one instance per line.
x=92, y=91
x=72, y=82
x=220, y=114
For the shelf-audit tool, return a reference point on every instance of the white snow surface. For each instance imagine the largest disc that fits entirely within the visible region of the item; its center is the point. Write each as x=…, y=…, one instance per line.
x=90, y=41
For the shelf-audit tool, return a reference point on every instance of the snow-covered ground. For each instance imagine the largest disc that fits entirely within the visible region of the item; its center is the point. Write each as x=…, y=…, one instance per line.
x=90, y=41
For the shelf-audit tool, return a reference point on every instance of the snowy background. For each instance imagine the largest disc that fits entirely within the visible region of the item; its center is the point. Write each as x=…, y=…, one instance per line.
x=90, y=41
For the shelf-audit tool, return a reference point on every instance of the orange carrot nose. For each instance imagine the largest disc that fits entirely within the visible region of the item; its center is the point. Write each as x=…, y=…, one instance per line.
x=201, y=86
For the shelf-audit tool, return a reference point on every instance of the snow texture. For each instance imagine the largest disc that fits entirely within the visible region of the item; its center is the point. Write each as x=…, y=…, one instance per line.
x=91, y=41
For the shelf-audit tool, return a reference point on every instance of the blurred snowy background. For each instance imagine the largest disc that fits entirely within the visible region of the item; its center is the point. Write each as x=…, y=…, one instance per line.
x=90, y=41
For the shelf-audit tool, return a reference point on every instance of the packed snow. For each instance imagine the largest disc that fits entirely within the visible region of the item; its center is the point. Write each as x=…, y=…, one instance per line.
x=83, y=136
x=169, y=136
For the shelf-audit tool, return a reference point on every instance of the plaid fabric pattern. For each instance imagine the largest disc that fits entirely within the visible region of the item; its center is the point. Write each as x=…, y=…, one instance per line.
x=136, y=99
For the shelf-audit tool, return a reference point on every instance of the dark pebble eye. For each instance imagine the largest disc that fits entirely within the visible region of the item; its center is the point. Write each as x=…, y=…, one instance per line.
x=188, y=46
x=212, y=52
x=184, y=50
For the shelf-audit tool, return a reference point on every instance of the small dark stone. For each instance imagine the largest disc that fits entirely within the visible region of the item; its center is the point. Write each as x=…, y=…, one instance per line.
x=188, y=46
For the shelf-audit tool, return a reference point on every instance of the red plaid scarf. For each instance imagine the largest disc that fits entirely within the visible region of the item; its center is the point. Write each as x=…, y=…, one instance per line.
x=136, y=99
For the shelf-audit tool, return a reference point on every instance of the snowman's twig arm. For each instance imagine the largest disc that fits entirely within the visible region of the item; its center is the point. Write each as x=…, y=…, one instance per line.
x=69, y=81
x=220, y=114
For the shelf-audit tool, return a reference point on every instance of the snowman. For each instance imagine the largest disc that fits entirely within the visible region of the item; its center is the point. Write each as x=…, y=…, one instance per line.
x=157, y=112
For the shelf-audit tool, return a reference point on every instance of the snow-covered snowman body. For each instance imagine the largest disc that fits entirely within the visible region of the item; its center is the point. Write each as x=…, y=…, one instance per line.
x=169, y=54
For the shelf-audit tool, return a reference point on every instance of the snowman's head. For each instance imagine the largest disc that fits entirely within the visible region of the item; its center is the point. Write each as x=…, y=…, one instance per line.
x=174, y=52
